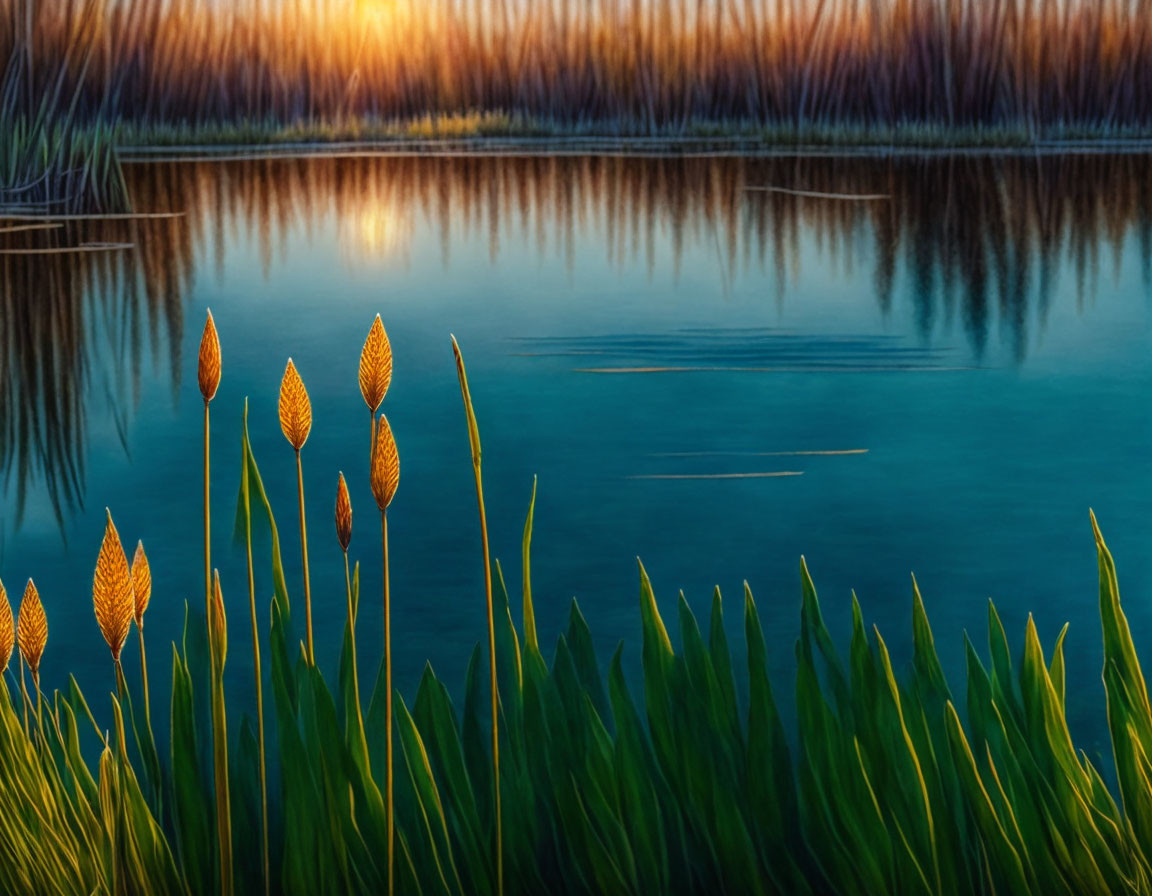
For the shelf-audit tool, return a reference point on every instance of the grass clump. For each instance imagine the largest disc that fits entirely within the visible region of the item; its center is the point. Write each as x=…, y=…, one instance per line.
x=891, y=782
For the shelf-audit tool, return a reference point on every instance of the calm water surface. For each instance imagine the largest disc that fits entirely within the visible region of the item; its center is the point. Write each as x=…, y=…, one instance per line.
x=952, y=374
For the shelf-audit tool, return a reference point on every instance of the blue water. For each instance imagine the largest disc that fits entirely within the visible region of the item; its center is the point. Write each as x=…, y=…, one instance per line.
x=970, y=386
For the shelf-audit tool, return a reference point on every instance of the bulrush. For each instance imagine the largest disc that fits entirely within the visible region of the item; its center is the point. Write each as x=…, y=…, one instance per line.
x=7, y=630
x=375, y=370
x=474, y=444
x=344, y=537
x=343, y=515
x=142, y=593
x=112, y=595
x=296, y=424
x=32, y=637
x=385, y=481
x=208, y=375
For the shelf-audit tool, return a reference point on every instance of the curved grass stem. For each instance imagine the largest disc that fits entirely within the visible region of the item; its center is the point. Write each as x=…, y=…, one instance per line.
x=304, y=556
x=474, y=442
x=256, y=669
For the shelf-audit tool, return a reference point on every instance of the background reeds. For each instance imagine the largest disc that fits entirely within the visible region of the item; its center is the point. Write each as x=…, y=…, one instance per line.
x=673, y=67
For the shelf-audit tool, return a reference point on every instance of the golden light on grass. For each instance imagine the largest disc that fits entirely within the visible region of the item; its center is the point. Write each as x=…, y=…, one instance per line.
x=474, y=444
x=296, y=424
x=7, y=630
x=385, y=479
x=113, y=597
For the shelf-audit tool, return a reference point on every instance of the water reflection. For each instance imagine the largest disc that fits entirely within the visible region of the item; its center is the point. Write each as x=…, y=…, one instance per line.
x=977, y=241
x=77, y=327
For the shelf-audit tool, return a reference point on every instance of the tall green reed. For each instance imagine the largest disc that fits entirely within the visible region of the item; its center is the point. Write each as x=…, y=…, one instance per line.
x=245, y=518
x=385, y=479
x=474, y=444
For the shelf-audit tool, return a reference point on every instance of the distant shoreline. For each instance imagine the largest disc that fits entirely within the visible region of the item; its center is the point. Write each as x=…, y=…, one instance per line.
x=633, y=147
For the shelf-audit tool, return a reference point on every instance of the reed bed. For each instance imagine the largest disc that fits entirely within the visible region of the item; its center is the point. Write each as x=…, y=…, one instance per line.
x=1041, y=68
x=892, y=781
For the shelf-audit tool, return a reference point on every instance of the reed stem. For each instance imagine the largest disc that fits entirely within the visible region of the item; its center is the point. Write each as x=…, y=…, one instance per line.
x=39, y=719
x=304, y=555
x=144, y=677
x=388, y=705
x=258, y=675
x=352, y=646
x=492, y=680
x=207, y=525
x=217, y=637
x=24, y=695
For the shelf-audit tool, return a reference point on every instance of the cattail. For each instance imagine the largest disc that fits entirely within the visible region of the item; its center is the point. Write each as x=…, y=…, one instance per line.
x=295, y=408
x=296, y=423
x=141, y=583
x=7, y=630
x=385, y=465
x=375, y=367
x=208, y=373
x=474, y=444
x=112, y=593
x=32, y=630
x=142, y=592
x=385, y=480
x=343, y=515
x=208, y=370
x=32, y=637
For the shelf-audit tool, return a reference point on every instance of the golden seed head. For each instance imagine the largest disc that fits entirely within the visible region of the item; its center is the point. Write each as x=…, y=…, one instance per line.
x=7, y=629
x=208, y=371
x=343, y=514
x=295, y=408
x=218, y=623
x=32, y=628
x=375, y=366
x=113, y=597
x=141, y=582
x=385, y=465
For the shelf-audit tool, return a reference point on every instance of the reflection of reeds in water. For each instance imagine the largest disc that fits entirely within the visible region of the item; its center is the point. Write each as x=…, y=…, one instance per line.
x=634, y=65
x=76, y=331
x=980, y=239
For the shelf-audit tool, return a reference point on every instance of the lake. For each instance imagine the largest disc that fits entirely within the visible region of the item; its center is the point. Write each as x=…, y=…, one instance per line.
x=951, y=357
